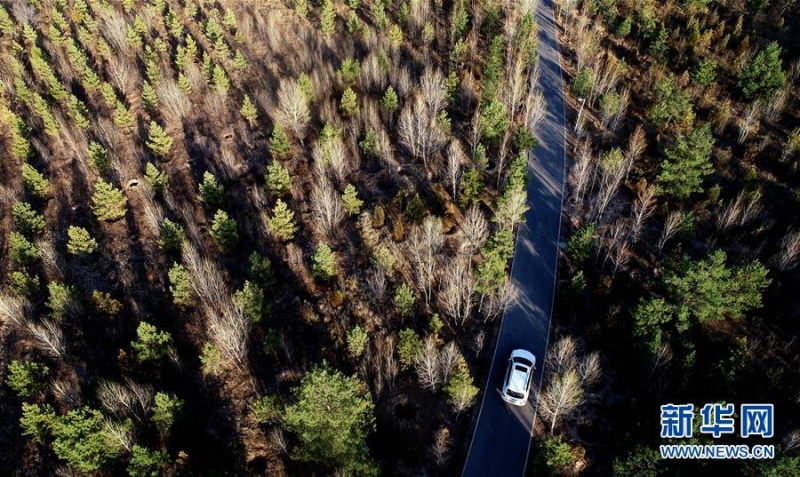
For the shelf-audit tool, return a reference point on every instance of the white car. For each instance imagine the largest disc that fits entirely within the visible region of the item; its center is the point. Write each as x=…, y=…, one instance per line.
x=519, y=375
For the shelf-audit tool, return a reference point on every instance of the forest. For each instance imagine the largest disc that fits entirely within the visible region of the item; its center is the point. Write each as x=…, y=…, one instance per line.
x=680, y=227
x=255, y=237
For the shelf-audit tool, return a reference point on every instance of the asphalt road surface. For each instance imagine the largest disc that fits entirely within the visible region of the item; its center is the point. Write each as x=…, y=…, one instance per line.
x=502, y=435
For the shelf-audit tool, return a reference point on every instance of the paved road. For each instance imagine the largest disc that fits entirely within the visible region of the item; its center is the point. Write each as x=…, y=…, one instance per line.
x=501, y=440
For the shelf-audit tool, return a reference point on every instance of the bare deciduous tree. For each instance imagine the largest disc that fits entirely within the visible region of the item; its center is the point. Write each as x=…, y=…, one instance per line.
x=441, y=446
x=613, y=170
x=475, y=228
x=512, y=207
x=741, y=210
x=791, y=442
x=497, y=303
x=119, y=433
x=376, y=284
x=789, y=251
x=125, y=400
x=327, y=205
x=673, y=223
x=293, y=113
x=419, y=130
x=561, y=397
x=457, y=290
x=424, y=245
x=562, y=356
x=622, y=108
x=643, y=208
x=49, y=337
x=330, y=158
x=748, y=122
x=426, y=364
x=583, y=171
x=455, y=158
x=449, y=357
x=589, y=370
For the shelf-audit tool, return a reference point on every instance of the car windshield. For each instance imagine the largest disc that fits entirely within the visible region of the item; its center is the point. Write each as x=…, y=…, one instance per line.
x=523, y=362
x=514, y=394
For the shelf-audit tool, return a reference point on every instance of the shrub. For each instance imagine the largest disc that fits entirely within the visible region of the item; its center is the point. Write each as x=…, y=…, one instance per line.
x=357, y=340
x=172, y=236
x=27, y=378
x=267, y=410
x=323, y=262
x=181, y=286
x=224, y=231
x=278, y=180
x=21, y=251
x=152, y=344
x=212, y=193
x=378, y=217
x=108, y=203
x=104, y=303
x=404, y=299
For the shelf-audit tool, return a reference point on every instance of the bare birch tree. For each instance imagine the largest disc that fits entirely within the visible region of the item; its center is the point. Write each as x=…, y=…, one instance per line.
x=426, y=364
x=455, y=159
x=327, y=205
x=741, y=210
x=293, y=112
x=590, y=369
x=475, y=228
x=583, y=171
x=674, y=223
x=562, y=356
x=560, y=398
x=424, y=245
x=789, y=253
x=643, y=208
x=748, y=122
x=614, y=167
x=419, y=130
x=622, y=108
x=457, y=290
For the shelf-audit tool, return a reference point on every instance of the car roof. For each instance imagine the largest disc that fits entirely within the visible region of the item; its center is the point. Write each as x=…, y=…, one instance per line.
x=521, y=353
x=519, y=380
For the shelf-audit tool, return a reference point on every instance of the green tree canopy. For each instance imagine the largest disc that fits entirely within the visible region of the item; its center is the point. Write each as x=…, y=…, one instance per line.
x=709, y=290
x=80, y=440
x=278, y=180
x=158, y=140
x=687, y=163
x=151, y=344
x=332, y=417
x=763, y=75
x=108, y=202
x=323, y=262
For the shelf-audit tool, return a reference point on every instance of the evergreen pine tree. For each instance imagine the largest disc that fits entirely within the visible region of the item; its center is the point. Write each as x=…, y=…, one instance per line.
x=282, y=222
x=158, y=140
x=249, y=112
x=149, y=97
x=108, y=202
x=279, y=145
